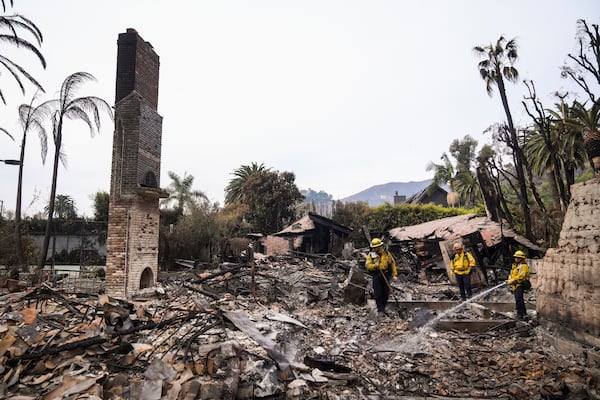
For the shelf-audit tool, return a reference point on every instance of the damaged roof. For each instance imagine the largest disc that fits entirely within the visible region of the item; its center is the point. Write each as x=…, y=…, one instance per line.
x=451, y=228
x=309, y=223
x=424, y=196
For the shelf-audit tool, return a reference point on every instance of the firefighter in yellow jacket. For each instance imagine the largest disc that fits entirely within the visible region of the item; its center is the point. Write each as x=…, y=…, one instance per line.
x=382, y=266
x=519, y=273
x=461, y=266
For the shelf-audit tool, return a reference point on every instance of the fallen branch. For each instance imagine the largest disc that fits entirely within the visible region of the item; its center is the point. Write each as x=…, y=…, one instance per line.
x=208, y=293
x=46, y=292
x=219, y=273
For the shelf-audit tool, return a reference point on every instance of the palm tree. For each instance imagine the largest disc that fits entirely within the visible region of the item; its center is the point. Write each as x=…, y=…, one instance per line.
x=496, y=64
x=64, y=207
x=180, y=192
x=463, y=182
x=31, y=119
x=555, y=148
x=467, y=187
x=588, y=120
x=233, y=191
x=444, y=174
x=10, y=27
x=550, y=147
x=541, y=162
x=67, y=106
x=569, y=143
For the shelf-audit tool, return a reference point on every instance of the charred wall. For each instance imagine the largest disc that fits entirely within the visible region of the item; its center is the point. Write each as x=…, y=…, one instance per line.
x=568, y=277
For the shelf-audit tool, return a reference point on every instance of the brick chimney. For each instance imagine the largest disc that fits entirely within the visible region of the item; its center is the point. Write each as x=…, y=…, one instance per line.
x=133, y=216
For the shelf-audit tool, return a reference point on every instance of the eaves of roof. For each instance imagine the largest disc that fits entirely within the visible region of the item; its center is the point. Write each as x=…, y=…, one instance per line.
x=309, y=223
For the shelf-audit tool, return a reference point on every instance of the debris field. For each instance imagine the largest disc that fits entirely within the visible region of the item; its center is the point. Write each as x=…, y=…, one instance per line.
x=280, y=328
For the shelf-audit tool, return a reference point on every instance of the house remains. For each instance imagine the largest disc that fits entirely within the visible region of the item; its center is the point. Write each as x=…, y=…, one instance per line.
x=313, y=234
x=278, y=325
x=281, y=330
x=282, y=326
x=491, y=243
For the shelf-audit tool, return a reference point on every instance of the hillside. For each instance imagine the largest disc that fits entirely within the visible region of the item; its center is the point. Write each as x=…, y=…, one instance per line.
x=380, y=194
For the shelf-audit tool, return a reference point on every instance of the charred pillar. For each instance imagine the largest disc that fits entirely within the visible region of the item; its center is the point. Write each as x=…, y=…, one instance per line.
x=133, y=221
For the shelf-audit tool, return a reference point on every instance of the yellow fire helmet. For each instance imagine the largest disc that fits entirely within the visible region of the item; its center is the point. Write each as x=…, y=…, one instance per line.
x=520, y=254
x=376, y=243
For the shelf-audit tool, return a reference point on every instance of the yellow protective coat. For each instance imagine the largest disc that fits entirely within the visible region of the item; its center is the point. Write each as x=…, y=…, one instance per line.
x=519, y=273
x=384, y=261
x=462, y=263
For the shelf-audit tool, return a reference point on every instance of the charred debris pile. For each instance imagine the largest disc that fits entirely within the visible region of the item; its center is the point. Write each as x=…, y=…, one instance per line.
x=283, y=328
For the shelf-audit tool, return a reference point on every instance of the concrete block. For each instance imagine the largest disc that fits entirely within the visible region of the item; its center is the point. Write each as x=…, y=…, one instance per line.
x=480, y=310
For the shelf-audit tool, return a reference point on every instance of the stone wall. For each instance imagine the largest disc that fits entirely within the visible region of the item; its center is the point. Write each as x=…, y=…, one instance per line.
x=568, y=277
x=276, y=245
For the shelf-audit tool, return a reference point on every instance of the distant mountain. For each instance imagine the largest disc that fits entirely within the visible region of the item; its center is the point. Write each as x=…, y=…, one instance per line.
x=380, y=194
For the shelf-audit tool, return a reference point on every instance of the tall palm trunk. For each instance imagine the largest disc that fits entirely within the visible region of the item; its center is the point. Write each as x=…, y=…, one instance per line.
x=532, y=187
x=518, y=158
x=57, y=144
x=570, y=178
x=18, y=242
x=557, y=185
x=556, y=199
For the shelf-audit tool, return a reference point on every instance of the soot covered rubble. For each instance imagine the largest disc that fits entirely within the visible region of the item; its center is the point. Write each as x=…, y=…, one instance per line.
x=281, y=330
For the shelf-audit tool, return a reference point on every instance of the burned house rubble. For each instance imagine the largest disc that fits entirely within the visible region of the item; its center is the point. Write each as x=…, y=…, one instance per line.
x=286, y=322
x=281, y=328
x=462, y=227
x=426, y=247
x=302, y=325
x=312, y=233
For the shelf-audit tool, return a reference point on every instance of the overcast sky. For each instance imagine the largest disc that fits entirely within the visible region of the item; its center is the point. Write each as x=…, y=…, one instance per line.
x=345, y=94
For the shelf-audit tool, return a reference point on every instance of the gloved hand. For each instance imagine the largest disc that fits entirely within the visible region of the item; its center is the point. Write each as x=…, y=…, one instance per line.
x=395, y=278
x=510, y=281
